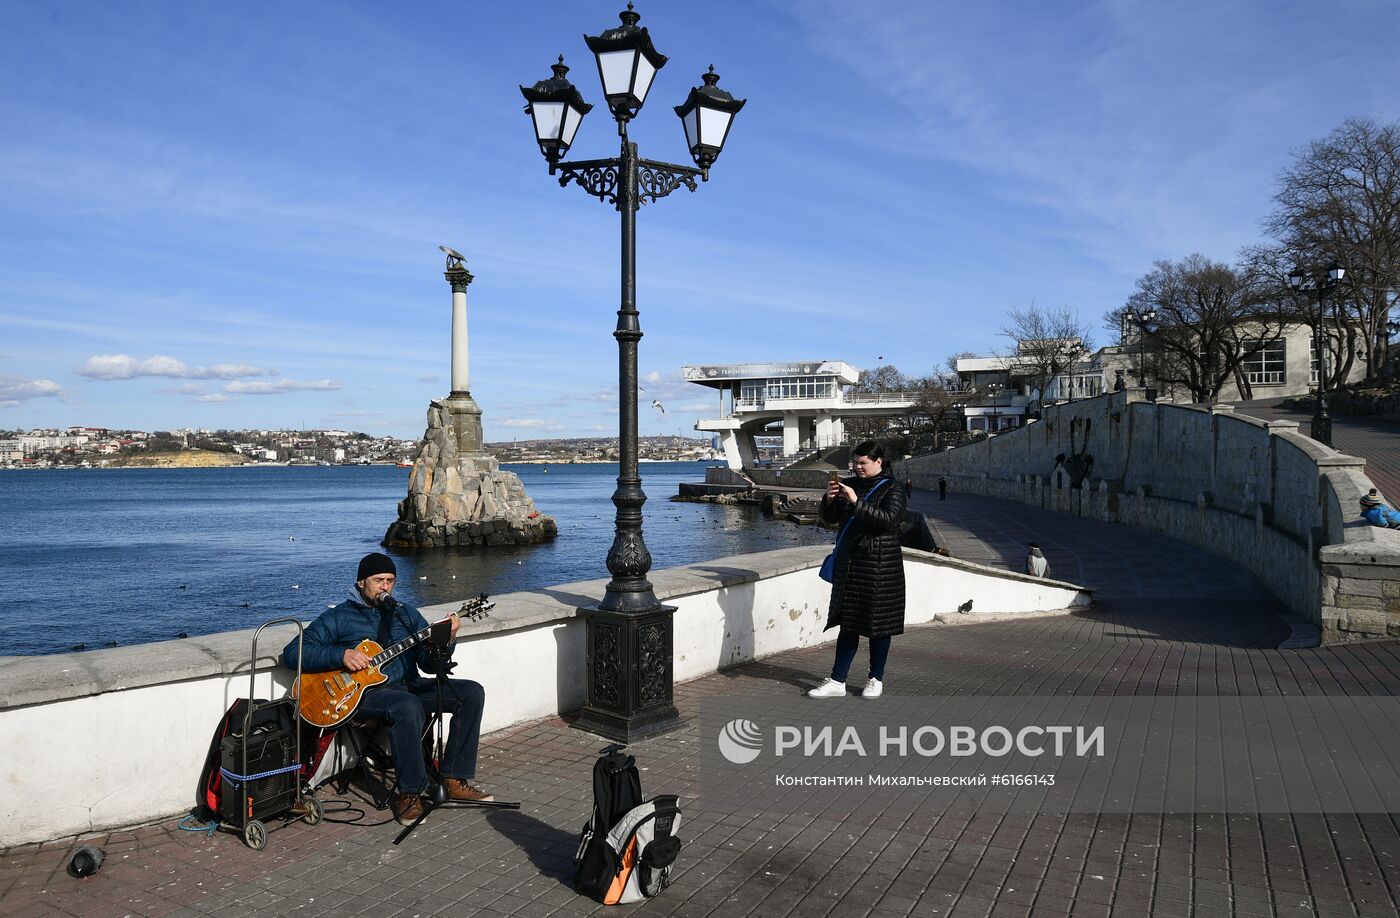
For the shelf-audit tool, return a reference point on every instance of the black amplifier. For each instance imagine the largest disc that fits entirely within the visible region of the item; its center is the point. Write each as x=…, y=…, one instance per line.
x=269, y=775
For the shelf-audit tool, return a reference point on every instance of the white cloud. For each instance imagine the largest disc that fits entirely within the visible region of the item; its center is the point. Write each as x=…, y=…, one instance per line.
x=522, y=422
x=122, y=366
x=278, y=386
x=213, y=397
x=16, y=389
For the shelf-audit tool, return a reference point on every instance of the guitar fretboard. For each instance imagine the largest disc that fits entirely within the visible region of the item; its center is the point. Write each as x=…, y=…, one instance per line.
x=407, y=643
x=470, y=611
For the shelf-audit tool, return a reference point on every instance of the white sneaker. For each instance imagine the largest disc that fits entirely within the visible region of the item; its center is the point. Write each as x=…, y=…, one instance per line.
x=829, y=688
x=872, y=689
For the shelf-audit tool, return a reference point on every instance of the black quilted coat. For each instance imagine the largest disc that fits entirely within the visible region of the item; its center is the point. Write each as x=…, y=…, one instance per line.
x=867, y=590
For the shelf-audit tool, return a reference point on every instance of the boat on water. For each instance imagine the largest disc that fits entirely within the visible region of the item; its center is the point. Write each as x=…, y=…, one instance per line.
x=404, y=463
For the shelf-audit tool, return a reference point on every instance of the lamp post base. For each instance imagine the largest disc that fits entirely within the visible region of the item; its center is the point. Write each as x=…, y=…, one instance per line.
x=629, y=672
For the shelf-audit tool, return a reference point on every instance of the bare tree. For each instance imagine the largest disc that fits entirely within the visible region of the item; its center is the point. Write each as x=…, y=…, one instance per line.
x=930, y=413
x=1340, y=201
x=1045, y=343
x=884, y=378
x=1210, y=318
x=949, y=370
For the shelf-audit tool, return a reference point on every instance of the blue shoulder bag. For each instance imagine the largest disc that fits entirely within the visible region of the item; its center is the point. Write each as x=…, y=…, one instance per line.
x=828, y=568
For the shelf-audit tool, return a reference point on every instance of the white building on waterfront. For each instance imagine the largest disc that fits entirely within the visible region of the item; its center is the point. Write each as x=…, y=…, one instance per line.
x=809, y=399
x=1281, y=364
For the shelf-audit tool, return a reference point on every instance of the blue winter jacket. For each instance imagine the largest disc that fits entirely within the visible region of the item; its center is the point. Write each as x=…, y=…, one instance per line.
x=1381, y=515
x=343, y=627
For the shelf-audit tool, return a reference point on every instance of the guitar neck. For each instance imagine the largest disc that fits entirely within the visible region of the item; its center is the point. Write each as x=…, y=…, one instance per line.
x=408, y=643
x=413, y=640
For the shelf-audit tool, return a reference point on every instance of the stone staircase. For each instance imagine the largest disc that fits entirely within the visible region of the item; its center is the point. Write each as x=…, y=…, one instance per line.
x=799, y=456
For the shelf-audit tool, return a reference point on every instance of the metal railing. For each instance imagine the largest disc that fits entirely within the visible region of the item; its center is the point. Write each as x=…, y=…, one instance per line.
x=879, y=398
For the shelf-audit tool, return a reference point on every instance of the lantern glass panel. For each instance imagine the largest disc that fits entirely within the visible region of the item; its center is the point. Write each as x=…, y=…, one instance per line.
x=548, y=116
x=714, y=124
x=691, y=122
x=616, y=67
x=645, y=74
x=572, y=119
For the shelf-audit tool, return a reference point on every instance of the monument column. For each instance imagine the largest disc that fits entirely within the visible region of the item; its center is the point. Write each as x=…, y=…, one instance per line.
x=458, y=276
x=465, y=413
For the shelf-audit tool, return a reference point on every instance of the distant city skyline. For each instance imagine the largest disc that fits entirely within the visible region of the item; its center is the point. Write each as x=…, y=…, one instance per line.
x=228, y=217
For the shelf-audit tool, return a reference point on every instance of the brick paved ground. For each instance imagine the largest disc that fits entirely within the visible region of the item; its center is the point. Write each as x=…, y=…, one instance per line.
x=1172, y=621
x=1375, y=439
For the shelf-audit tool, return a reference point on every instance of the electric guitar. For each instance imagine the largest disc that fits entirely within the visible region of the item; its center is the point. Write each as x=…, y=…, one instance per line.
x=328, y=699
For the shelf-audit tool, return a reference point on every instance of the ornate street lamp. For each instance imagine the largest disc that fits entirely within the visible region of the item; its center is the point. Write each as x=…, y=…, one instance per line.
x=1075, y=353
x=630, y=633
x=1144, y=320
x=1322, y=285
x=706, y=115
x=557, y=110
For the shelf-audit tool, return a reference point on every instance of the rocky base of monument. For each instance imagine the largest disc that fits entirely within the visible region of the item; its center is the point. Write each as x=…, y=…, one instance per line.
x=490, y=509
x=461, y=498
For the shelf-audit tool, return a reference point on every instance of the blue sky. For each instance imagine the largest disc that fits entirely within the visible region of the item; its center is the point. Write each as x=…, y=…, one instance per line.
x=227, y=215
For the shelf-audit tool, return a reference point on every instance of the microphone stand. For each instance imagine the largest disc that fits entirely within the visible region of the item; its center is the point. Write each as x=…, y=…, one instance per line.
x=440, y=663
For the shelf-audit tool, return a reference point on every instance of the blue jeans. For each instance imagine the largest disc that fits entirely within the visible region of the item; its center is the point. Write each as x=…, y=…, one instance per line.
x=846, y=644
x=404, y=708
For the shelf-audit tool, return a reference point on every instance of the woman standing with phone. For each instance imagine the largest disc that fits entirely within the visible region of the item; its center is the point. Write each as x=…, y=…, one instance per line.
x=867, y=585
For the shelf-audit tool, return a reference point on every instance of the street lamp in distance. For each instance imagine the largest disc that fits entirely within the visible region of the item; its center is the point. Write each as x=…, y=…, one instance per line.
x=1143, y=320
x=1321, y=284
x=994, y=389
x=1074, y=353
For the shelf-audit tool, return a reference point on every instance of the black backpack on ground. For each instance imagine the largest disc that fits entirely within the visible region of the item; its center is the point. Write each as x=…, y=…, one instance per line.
x=628, y=847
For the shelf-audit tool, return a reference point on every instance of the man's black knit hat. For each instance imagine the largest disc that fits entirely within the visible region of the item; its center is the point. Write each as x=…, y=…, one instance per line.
x=375, y=563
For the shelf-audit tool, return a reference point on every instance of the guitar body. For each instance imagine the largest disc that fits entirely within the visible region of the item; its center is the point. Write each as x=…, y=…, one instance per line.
x=328, y=699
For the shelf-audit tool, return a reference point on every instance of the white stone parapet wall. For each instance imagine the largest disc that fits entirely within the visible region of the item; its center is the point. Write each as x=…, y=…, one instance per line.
x=114, y=738
x=1259, y=493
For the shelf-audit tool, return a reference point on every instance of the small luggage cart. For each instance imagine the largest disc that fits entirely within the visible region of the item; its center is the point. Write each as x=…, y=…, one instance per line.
x=261, y=765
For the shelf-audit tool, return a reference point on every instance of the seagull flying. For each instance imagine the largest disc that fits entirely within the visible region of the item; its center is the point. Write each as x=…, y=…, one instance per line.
x=657, y=405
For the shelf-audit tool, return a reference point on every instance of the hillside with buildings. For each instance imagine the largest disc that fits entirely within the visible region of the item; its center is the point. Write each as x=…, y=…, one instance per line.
x=101, y=447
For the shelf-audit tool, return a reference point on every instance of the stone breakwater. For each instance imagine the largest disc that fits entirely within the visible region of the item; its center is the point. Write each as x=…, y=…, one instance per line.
x=463, y=498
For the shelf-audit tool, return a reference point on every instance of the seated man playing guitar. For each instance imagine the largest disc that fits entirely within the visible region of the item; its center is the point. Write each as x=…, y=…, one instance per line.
x=399, y=696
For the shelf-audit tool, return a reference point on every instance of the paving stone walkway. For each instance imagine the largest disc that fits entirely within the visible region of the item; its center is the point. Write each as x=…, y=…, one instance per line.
x=1375, y=439
x=1171, y=621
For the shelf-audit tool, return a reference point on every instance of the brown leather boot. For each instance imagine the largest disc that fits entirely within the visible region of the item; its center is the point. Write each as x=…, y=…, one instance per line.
x=407, y=807
x=457, y=789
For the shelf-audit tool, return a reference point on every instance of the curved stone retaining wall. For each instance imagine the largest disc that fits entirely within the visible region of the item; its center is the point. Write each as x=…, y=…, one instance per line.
x=1257, y=492
x=117, y=737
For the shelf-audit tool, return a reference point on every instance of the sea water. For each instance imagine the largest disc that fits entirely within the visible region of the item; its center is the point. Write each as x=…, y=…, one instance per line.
x=99, y=557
